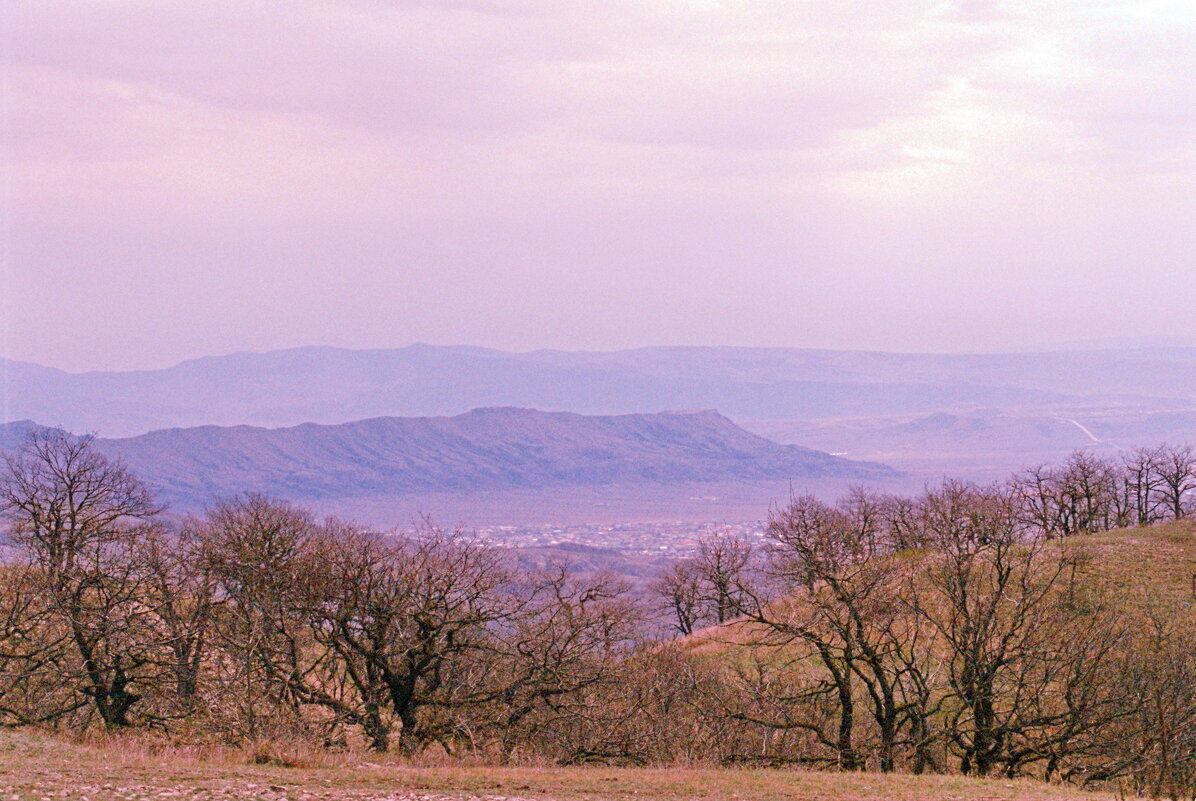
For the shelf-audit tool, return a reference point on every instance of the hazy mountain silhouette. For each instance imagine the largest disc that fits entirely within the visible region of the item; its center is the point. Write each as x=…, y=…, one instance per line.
x=331, y=385
x=482, y=450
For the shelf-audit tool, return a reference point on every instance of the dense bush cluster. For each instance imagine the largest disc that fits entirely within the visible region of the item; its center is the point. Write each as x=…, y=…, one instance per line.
x=956, y=631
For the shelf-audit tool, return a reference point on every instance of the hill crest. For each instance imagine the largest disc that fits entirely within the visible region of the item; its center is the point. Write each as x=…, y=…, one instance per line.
x=486, y=449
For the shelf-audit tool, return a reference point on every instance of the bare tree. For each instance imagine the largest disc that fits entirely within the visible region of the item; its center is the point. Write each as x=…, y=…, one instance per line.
x=1176, y=470
x=180, y=588
x=723, y=562
x=402, y=617
x=1162, y=745
x=1140, y=470
x=78, y=519
x=901, y=522
x=564, y=646
x=1002, y=599
x=705, y=589
x=35, y=654
x=1075, y=498
x=960, y=630
x=678, y=590
x=839, y=561
x=257, y=552
x=823, y=557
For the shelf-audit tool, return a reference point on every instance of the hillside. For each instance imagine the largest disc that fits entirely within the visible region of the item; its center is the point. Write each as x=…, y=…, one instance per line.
x=1149, y=567
x=331, y=385
x=485, y=450
x=1144, y=568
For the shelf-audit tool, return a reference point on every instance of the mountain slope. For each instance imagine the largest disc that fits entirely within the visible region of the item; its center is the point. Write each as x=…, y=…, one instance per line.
x=483, y=450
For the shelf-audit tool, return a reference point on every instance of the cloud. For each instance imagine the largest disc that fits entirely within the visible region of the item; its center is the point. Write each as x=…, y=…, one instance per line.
x=731, y=75
x=621, y=171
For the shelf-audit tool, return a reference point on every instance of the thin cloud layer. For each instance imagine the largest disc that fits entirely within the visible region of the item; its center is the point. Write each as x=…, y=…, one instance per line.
x=191, y=177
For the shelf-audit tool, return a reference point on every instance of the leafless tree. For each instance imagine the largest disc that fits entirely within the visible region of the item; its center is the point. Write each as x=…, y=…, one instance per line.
x=1075, y=498
x=180, y=588
x=723, y=563
x=959, y=630
x=1176, y=470
x=844, y=564
x=706, y=589
x=678, y=590
x=1140, y=471
x=35, y=654
x=78, y=520
x=403, y=616
x=827, y=560
x=1087, y=482
x=257, y=552
x=1165, y=734
x=901, y=522
x=566, y=643
x=1003, y=604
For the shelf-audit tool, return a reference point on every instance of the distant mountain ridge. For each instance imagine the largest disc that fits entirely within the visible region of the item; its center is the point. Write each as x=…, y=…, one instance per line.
x=482, y=450
x=332, y=385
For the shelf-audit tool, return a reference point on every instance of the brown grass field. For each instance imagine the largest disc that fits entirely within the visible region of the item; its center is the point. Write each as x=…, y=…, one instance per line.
x=38, y=767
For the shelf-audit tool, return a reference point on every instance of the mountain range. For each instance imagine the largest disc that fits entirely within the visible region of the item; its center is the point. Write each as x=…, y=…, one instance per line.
x=484, y=450
x=332, y=385
x=977, y=416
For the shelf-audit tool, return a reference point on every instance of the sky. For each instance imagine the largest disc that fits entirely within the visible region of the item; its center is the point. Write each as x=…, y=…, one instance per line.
x=192, y=177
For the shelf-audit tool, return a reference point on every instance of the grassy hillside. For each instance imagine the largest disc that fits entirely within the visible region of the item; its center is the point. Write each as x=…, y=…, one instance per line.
x=1147, y=568
x=34, y=766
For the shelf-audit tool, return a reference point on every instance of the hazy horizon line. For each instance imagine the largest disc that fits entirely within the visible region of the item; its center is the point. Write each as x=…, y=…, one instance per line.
x=1118, y=343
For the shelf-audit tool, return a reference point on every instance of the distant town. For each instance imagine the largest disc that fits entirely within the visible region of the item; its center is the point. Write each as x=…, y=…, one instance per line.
x=672, y=538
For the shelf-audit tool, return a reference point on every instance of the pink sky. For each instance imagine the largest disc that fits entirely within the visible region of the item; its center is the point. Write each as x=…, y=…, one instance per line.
x=186, y=177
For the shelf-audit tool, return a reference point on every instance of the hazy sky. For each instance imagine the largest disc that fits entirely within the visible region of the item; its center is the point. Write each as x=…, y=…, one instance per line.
x=186, y=177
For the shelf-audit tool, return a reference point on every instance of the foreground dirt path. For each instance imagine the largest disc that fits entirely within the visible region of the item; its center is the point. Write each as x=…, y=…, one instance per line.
x=38, y=768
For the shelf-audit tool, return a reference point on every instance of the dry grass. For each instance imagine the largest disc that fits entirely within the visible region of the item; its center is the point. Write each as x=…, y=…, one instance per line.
x=1147, y=568
x=35, y=766
x=1150, y=567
